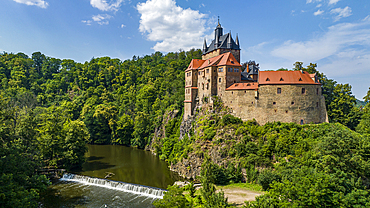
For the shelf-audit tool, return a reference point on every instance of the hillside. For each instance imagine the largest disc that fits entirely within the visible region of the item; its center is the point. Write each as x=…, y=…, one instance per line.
x=50, y=108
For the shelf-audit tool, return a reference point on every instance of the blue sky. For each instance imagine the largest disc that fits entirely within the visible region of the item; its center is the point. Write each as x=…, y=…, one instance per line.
x=335, y=34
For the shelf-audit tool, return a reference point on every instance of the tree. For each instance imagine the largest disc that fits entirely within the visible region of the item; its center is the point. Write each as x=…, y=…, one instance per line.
x=173, y=198
x=341, y=108
x=76, y=137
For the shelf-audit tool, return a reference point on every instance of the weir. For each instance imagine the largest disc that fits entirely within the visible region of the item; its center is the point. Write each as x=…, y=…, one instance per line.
x=116, y=185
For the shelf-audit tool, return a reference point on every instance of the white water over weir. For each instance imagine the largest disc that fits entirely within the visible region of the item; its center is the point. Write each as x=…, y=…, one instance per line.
x=117, y=185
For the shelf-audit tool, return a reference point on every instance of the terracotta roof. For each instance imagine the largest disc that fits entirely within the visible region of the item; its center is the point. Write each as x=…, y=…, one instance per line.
x=243, y=86
x=285, y=77
x=195, y=64
x=228, y=59
x=220, y=60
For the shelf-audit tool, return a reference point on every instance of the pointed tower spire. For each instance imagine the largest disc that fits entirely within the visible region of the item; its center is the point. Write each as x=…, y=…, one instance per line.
x=204, y=46
x=237, y=40
x=229, y=40
x=218, y=33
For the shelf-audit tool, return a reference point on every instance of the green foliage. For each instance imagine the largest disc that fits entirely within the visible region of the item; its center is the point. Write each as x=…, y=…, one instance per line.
x=173, y=198
x=266, y=178
x=230, y=119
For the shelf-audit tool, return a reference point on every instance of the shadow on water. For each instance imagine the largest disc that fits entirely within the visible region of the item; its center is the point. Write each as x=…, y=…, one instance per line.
x=92, y=158
x=96, y=165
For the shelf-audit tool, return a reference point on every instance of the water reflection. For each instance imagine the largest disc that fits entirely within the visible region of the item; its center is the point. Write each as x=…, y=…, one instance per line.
x=128, y=165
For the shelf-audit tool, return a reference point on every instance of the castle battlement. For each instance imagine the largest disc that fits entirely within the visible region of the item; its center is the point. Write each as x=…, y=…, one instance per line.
x=267, y=96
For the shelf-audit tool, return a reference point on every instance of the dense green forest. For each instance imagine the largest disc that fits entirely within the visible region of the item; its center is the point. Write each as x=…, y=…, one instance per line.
x=49, y=109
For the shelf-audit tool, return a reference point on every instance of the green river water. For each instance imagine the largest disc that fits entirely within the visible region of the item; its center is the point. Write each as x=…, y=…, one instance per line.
x=128, y=165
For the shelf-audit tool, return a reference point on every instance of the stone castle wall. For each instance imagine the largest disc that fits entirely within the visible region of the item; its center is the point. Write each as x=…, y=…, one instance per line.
x=291, y=105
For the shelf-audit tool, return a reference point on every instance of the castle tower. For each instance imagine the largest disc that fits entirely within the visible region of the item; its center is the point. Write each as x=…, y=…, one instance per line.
x=222, y=43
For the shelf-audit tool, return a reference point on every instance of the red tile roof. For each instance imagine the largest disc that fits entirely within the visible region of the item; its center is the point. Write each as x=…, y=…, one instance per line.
x=220, y=60
x=243, y=86
x=194, y=64
x=286, y=77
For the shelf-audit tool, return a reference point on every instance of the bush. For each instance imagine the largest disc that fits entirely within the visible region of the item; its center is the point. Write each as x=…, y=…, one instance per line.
x=266, y=178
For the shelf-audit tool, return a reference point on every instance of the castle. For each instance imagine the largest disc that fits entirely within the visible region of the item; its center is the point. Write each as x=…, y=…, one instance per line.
x=266, y=96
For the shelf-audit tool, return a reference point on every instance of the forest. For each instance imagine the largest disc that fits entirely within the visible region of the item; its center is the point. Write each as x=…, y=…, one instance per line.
x=50, y=108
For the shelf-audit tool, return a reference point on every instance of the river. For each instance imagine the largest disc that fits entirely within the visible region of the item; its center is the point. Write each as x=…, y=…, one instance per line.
x=127, y=164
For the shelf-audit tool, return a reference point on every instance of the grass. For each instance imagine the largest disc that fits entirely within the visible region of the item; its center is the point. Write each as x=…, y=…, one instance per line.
x=246, y=186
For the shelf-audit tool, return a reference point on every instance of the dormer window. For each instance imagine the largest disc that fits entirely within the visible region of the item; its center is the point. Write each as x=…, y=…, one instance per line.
x=232, y=62
x=267, y=80
x=300, y=79
x=281, y=79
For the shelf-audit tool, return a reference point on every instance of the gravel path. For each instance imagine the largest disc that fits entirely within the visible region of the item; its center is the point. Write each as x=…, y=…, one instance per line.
x=238, y=196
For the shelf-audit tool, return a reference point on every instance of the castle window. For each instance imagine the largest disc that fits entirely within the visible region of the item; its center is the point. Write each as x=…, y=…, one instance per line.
x=220, y=69
x=303, y=91
x=207, y=70
x=278, y=90
x=245, y=91
x=302, y=122
x=252, y=102
x=214, y=70
x=207, y=86
x=292, y=102
x=232, y=62
x=300, y=79
x=267, y=79
x=275, y=110
x=236, y=70
x=286, y=111
x=274, y=103
x=232, y=92
x=219, y=79
x=202, y=86
x=317, y=104
x=229, y=69
x=317, y=91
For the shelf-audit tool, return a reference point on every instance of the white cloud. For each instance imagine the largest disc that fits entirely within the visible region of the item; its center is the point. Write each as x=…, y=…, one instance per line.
x=319, y=5
x=103, y=5
x=318, y=12
x=333, y=1
x=312, y=1
x=39, y=3
x=87, y=22
x=343, y=43
x=345, y=12
x=101, y=19
x=122, y=26
x=171, y=26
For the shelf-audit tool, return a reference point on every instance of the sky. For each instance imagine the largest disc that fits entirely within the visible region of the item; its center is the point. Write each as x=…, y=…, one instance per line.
x=335, y=34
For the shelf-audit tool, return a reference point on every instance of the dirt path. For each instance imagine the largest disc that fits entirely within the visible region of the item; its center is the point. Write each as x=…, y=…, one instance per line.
x=237, y=196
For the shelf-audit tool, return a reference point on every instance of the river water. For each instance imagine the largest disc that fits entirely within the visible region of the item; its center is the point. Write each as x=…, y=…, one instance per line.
x=127, y=164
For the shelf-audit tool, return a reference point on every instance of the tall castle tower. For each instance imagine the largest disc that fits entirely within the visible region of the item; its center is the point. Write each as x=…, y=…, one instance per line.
x=221, y=44
x=218, y=69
